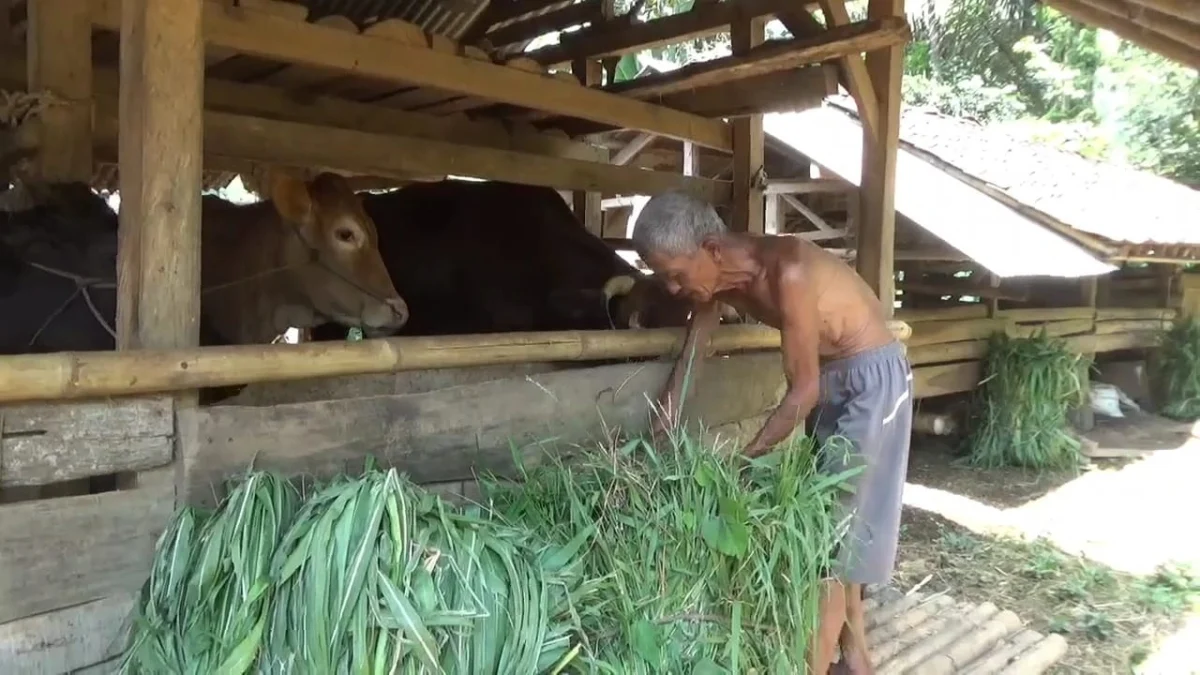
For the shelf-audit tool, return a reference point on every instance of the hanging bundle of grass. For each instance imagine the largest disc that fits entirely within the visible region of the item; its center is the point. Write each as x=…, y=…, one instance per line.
x=1175, y=371
x=1019, y=413
x=698, y=567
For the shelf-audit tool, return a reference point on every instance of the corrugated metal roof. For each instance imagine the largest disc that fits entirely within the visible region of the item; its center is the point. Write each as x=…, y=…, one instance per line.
x=1119, y=203
x=1000, y=239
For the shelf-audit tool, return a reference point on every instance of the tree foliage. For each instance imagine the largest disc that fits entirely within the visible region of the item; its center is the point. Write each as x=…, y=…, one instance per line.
x=1018, y=60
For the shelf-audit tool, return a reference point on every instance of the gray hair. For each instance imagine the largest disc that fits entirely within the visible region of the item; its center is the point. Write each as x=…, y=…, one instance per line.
x=675, y=223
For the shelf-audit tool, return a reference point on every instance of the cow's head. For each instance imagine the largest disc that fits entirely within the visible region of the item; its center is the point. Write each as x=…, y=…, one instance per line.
x=639, y=301
x=643, y=302
x=348, y=282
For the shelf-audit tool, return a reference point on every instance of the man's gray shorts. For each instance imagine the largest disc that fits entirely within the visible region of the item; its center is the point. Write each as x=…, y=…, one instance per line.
x=867, y=399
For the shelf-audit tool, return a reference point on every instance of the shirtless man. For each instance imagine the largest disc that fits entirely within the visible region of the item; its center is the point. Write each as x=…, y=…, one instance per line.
x=843, y=366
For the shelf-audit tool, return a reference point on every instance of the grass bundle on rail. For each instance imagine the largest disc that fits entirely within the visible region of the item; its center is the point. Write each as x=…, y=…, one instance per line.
x=1019, y=413
x=369, y=575
x=697, y=568
x=1175, y=371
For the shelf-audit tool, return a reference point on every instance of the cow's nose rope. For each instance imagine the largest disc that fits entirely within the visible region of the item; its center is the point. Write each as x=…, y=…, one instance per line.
x=82, y=286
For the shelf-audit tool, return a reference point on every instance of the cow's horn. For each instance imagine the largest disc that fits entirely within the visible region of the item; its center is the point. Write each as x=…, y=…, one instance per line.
x=621, y=284
x=635, y=320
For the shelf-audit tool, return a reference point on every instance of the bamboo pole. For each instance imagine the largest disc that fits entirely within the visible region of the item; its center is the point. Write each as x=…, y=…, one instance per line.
x=76, y=375
x=956, y=313
x=1116, y=313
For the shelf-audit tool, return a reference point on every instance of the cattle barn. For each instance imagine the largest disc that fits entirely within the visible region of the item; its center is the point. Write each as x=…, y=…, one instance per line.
x=140, y=364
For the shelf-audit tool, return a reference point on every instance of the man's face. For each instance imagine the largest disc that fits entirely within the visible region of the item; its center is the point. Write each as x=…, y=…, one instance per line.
x=692, y=276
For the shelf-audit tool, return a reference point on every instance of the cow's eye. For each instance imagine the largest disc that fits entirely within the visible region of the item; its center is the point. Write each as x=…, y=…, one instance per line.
x=344, y=234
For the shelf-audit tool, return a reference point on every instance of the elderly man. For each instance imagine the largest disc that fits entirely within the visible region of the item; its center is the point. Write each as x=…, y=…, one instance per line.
x=843, y=366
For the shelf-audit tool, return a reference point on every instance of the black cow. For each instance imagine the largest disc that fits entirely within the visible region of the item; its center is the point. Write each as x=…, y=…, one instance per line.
x=58, y=262
x=486, y=257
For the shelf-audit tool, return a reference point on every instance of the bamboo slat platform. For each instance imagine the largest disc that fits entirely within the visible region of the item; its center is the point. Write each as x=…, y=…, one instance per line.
x=932, y=634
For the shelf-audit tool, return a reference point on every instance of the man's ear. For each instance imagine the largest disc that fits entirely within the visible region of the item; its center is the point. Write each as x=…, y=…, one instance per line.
x=712, y=245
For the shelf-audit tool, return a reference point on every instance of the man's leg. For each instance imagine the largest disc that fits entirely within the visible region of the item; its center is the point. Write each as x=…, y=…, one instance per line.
x=855, y=653
x=878, y=424
x=829, y=627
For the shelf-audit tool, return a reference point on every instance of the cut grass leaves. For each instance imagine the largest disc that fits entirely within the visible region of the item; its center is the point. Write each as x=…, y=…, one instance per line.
x=1175, y=371
x=636, y=560
x=1019, y=411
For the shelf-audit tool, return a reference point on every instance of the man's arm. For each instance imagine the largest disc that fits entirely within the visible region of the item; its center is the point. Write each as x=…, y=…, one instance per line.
x=704, y=318
x=800, y=339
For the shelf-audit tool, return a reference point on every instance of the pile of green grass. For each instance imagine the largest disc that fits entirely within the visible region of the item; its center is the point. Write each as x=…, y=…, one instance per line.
x=1019, y=412
x=370, y=575
x=1175, y=371
x=683, y=559
x=701, y=562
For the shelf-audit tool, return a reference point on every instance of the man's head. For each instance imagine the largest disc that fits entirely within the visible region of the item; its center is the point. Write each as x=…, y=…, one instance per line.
x=680, y=237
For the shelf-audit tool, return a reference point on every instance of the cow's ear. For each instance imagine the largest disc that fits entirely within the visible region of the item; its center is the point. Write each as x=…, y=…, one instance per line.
x=291, y=198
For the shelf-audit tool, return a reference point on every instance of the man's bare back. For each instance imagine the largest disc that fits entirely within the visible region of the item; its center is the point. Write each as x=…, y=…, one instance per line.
x=852, y=319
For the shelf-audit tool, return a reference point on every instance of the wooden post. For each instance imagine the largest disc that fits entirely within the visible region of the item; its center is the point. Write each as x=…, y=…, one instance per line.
x=773, y=223
x=993, y=302
x=59, y=47
x=877, y=211
x=587, y=204
x=160, y=156
x=691, y=159
x=1083, y=417
x=747, y=207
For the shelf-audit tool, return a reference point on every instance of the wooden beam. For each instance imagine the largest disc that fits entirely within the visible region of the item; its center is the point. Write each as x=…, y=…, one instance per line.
x=272, y=37
x=59, y=44
x=823, y=235
x=748, y=151
x=876, y=233
x=1167, y=26
x=763, y=59
x=271, y=102
x=783, y=91
x=586, y=203
x=858, y=81
x=1147, y=39
x=632, y=148
x=247, y=138
x=620, y=39
x=1188, y=11
x=793, y=186
x=770, y=57
x=809, y=214
x=788, y=90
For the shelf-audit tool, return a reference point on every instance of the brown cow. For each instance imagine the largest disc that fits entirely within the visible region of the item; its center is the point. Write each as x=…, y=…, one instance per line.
x=308, y=256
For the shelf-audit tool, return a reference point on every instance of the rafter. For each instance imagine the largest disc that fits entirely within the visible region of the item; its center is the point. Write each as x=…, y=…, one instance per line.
x=272, y=37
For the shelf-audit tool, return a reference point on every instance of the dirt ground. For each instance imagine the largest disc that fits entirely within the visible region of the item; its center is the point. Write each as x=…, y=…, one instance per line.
x=1005, y=536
